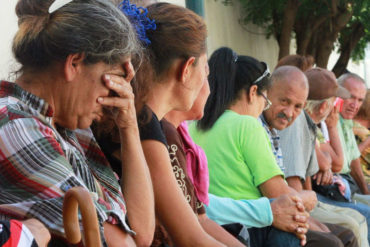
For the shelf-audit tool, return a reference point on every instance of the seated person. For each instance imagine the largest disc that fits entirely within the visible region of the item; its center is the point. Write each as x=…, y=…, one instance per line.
x=190, y=166
x=302, y=161
x=175, y=70
x=361, y=129
x=241, y=162
x=70, y=55
x=351, y=168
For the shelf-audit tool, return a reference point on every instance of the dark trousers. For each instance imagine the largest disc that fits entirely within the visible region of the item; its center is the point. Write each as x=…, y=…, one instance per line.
x=263, y=237
x=271, y=237
x=338, y=237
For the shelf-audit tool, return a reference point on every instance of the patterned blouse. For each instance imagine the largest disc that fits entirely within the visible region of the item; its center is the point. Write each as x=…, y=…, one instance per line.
x=39, y=163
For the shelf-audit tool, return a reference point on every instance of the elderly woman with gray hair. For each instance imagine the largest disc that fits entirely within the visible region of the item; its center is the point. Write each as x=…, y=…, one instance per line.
x=76, y=63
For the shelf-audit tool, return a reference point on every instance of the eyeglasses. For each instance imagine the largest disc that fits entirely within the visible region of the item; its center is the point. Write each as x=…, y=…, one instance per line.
x=265, y=74
x=268, y=102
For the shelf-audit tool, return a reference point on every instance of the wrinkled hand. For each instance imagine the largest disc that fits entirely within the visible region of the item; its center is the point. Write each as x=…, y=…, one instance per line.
x=290, y=216
x=121, y=106
x=39, y=231
x=315, y=225
x=332, y=119
x=323, y=177
x=309, y=199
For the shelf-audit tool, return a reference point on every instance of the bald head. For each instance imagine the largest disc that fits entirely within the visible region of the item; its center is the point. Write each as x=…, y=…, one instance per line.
x=289, y=74
x=288, y=94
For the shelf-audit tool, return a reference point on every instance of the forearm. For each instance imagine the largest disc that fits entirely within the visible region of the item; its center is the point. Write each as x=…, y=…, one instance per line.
x=137, y=187
x=323, y=158
x=337, y=151
x=364, y=145
x=251, y=213
x=171, y=207
x=217, y=232
x=307, y=185
x=358, y=176
x=308, y=197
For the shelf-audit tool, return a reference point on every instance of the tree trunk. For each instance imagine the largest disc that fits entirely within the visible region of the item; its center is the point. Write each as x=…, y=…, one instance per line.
x=290, y=13
x=304, y=32
x=349, y=43
x=312, y=45
x=324, y=49
x=329, y=35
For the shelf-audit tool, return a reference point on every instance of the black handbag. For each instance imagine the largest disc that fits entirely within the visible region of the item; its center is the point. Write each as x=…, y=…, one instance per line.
x=330, y=191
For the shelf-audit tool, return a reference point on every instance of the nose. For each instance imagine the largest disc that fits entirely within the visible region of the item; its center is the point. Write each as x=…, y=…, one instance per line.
x=289, y=111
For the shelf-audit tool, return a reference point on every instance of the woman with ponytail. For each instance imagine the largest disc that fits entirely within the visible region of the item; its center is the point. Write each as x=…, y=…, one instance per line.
x=238, y=150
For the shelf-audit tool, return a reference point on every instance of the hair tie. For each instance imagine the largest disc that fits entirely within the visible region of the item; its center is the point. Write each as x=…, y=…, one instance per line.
x=138, y=18
x=57, y=4
x=235, y=57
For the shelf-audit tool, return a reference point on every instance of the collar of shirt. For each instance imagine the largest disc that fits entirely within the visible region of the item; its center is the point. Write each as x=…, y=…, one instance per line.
x=310, y=123
x=346, y=123
x=13, y=90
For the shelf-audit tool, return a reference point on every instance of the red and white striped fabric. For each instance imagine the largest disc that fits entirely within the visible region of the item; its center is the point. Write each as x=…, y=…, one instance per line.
x=15, y=234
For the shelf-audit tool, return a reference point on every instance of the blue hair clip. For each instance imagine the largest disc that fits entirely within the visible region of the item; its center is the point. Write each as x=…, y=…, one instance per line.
x=138, y=18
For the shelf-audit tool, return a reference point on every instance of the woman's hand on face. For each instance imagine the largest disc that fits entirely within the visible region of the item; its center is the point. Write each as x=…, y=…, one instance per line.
x=121, y=104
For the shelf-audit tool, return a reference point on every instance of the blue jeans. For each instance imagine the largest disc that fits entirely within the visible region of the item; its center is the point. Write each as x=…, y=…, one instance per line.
x=271, y=237
x=361, y=208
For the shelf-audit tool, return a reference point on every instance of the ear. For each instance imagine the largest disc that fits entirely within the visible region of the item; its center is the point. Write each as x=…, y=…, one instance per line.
x=186, y=69
x=72, y=66
x=323, y=107
x=252, y=92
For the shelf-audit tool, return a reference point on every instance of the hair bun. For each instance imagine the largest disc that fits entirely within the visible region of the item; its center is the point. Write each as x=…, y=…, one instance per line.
x=26, y=8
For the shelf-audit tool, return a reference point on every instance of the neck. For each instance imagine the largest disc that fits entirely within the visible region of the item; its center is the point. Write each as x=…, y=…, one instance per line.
x=160, y=99
x=314, y=118
x=49, y=87
x=37, y=85
x=243, y=108
x=267, y=123
x=176, y=117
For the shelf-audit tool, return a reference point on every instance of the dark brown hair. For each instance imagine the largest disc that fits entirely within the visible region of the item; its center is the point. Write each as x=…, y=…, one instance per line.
x=180, y=33
x=364, y=112
x=302, y=62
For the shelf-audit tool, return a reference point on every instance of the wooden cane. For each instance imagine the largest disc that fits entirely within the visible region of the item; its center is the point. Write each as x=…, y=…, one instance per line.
x=79, y=197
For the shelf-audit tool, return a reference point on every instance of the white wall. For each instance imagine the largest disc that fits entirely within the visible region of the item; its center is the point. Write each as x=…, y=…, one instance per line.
x=224, y=30
x=178, y=2
x=8, y=27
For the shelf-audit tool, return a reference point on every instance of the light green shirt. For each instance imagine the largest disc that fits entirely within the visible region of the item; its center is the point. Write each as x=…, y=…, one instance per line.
x=348, y=141
x=239, y=156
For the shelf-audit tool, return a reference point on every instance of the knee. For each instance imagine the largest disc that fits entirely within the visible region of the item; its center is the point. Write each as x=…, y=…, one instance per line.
x=320, y=239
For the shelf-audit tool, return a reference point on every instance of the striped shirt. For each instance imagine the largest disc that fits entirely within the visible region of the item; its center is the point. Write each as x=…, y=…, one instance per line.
x=275, y=142
x=40, y=162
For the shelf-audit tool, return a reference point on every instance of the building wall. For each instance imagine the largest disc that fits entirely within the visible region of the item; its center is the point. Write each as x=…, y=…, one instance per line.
x=8, y=27
x=224, y=29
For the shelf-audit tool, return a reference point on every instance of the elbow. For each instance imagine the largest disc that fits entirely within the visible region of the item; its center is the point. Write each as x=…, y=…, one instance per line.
x=144, y=240
x=144, y=236
x=336, y=168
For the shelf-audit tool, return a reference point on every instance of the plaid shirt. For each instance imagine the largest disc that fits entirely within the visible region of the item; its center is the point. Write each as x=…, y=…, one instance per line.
x=39, y=163
x=275, y=143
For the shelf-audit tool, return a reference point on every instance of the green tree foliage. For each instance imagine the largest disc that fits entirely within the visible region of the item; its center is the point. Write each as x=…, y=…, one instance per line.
x=318, y=26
